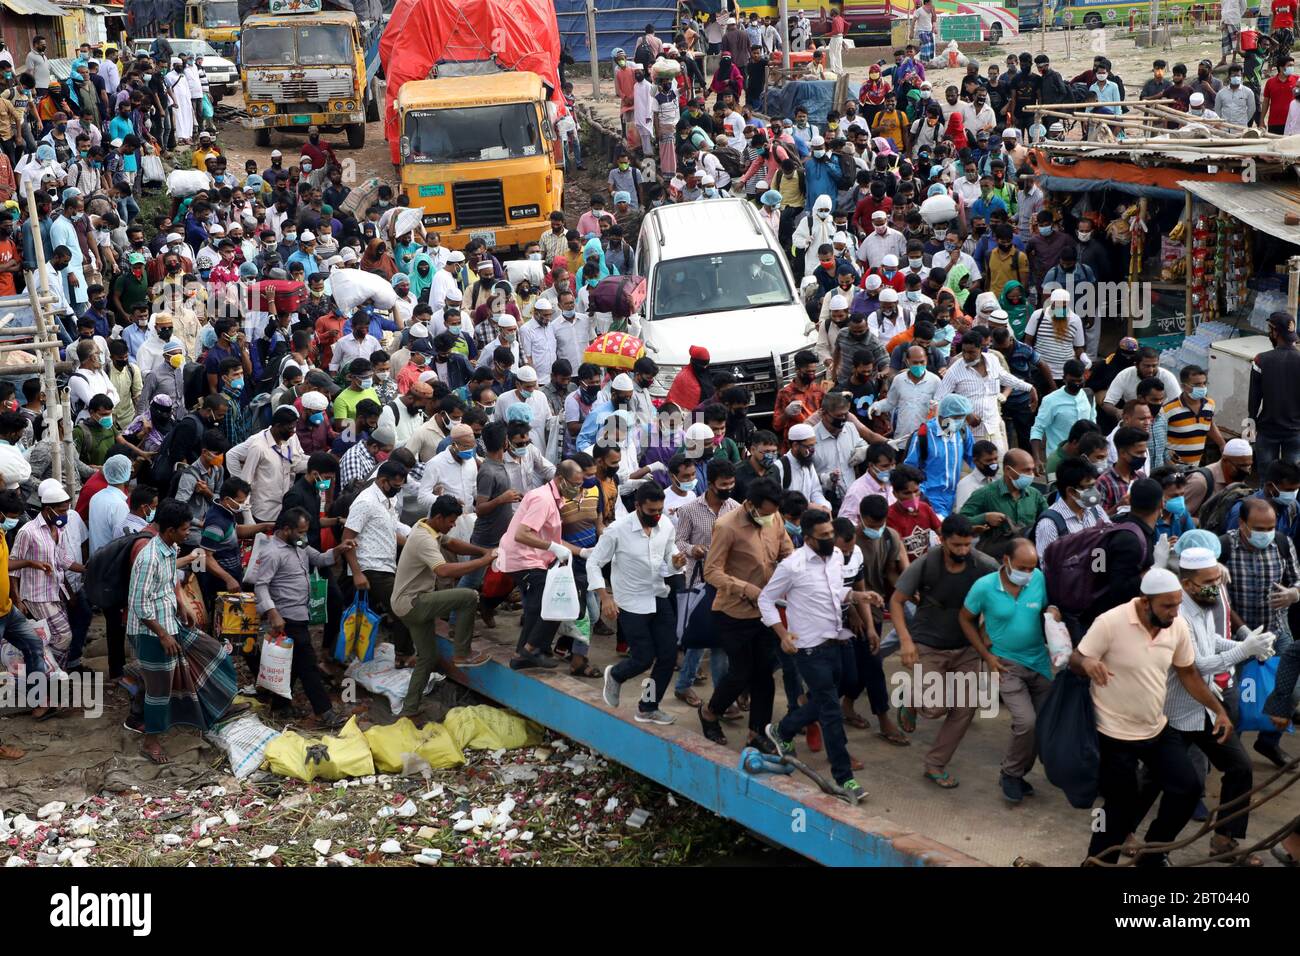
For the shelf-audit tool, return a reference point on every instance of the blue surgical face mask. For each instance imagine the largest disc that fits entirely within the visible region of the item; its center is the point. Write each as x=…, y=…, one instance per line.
x=1022, y=481
x=1261, y=539
x=1199, y=392
x=1286, y=497
x=589, y=482
x=1044, y=230
x=315, y=418
x=236, y=385
x=1019, y=578
x=791, y=528
x=1176, y=505
x=466, y=454
x=106, y=421
x=11, y=523
x=323, y=484
x=872, y=533
x=367, y=382
x=149, y=516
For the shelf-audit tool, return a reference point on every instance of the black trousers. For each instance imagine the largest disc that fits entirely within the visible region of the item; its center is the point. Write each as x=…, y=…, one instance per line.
x=1165, y=758
x=750, y=646
x=652, y=646
x=1229, y=758
x=381, y=600
x=115, y=635
x=533, y=631
x=304, y=670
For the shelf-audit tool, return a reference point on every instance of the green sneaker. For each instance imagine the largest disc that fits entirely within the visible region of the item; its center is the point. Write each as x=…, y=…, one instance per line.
x=783, y=747
x=854, y=790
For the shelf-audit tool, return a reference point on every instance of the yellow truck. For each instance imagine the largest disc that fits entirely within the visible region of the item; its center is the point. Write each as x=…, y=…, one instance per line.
x=482, y=156
x=302, y=66
x=216, y=21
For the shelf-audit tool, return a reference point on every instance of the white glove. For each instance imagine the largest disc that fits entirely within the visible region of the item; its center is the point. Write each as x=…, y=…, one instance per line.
x=1280, y=597
x=562, y=554
x=585, y=553
x=657, y=466
x=1259, y=646
x=794, y=408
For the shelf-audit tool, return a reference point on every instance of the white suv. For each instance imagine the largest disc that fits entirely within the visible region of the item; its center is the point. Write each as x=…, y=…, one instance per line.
x=717, y=277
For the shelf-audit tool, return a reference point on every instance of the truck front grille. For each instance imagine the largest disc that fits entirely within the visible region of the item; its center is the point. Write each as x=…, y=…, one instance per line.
x=479, y=203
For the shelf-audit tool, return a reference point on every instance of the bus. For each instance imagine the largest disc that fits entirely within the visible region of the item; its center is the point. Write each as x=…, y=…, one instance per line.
x=1095, y=14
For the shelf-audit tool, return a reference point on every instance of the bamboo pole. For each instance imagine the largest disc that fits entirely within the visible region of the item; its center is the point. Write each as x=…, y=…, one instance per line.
x=1039, y=107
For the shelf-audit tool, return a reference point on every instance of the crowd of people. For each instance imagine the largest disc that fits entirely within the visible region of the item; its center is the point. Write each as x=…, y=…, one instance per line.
x=930, y=481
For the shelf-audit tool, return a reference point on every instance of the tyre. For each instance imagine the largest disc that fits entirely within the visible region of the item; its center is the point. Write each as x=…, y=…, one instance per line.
x=356, y=135
x=995, y=33
x=262, y=136
x=1092, y=22
x=372, y=109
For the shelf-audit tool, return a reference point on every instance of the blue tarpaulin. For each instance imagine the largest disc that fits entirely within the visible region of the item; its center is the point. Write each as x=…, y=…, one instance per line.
x=816, y=96
x=1065, y=184
x=619, y=23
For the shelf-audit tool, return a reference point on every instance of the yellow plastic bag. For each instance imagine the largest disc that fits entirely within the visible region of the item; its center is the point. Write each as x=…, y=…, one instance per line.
x=490, y=728
x=326, y=758
x=431, y=743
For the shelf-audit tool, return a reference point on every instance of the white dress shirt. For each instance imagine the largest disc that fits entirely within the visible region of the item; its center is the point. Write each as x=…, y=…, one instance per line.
x=83, y=385
x=813, y=590
x=404, y=424
x=908, y=401
x=873, y=249
x=529, y=472
x=838, y=453
x=348, y=348
x=374, y=519
x=638, y=559
x=538, y=344
x=445, y=474
x=540, y=405
x=443, y=282
x=571, y=339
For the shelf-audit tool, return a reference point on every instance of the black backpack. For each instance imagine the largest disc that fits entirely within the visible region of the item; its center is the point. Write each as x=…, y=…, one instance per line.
x=108, y=573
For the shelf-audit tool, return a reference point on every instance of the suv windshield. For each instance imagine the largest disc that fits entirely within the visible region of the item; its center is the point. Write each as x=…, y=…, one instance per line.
x=473, y=133
x=721, y=283
x=316, y=44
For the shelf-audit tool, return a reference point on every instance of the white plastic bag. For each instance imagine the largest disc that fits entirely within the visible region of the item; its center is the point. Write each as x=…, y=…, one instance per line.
x=560, y=596
x=244, y=740
x=187, y=182
x=352, y=287
x=1059, y=645
x=151, y=167
x=274, y=671
x=380, y=676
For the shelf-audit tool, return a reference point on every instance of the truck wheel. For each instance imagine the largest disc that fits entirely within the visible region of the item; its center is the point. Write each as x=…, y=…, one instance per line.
x=1092, y=22
x=262, y=136
x=356, y=135
x=995, y=32
x=372, y=108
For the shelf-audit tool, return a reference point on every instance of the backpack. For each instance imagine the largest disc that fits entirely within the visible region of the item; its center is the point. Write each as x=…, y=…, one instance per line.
x=194, y=380
x=643, y=55
x=1073, y=583
x=1214, y=512
x=108, y=573
x=619, y=295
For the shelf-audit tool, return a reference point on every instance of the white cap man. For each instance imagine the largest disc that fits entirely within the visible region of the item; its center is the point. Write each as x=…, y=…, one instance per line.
x=51, y=492
x=889, y=262
x=348, y=254
x=699, y=439
x=506, y=321
x=888, y=294
x=838, y=303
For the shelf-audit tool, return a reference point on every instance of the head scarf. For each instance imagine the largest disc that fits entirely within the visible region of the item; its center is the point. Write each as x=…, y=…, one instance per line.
x=420, y=283
x=373, y=261
x=955, y=275
x=1016, y=314
x=593, y=248
x=957, y=131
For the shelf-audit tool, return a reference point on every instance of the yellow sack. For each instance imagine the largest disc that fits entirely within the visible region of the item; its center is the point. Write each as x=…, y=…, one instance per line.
x=327, y=758
x=431, y=743
x=491, y=728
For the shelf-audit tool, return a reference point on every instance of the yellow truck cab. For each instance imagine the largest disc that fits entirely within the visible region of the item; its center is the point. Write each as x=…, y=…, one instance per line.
x=305, y=66
x=216, y=21
x=481, y=155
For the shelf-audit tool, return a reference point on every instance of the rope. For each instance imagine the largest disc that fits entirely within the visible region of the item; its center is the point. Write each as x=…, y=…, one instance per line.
x=1235, y=856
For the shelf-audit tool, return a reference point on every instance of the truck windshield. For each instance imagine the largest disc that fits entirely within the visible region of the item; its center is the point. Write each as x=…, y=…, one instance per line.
x=722, y=283
x=316, y=44
x=224, y=13
x=267, y=46
x=473, y=133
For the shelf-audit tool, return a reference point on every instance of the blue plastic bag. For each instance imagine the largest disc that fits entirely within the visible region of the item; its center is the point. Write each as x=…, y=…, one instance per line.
x=1254, y=685
x=358, y=631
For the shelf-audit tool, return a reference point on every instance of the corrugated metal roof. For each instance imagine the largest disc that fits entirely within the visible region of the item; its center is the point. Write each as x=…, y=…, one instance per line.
x=1261, y=205
x=33, y=8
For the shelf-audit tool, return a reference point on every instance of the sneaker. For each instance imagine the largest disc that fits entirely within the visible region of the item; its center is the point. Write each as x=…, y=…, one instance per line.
x=854, y=790
x=1272, y=752
x=783, y=747
x=611, y=689
x=1026, y=787
x=655, y=716
x=1012, y=788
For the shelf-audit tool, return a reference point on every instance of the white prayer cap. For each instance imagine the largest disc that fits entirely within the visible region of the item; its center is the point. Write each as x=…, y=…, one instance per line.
x=1194, y=559
x=1162, y=580
x=1198, y=99
x=1238, y=448
x=455, y=295
x=890, y=261
x=307, y=236
x=818, y=142
x=998, y=317
x=526, y=373
x=348, y=254
x=622, y=383
x=315, y=401
x=839, y=302
x=52, y=492
x=544, y=305
x=1060, y=295
x=700, y=432
x=889, y=294
x=802, y=432
x=873, y=283
x=419, y=331
x=506, y=321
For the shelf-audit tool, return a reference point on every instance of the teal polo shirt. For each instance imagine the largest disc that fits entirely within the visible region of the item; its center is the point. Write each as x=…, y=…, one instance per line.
x=1014, y=625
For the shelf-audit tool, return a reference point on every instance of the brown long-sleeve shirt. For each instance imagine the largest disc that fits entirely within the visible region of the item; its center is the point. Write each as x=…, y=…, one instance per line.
x=741, y=558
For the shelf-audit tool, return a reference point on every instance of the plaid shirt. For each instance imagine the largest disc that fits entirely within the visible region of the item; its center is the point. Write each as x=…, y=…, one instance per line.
x=151, y=595
x=35, y=541
x=1113, y=488
x=356, y=464
x=1254, y=572
x=695, y=526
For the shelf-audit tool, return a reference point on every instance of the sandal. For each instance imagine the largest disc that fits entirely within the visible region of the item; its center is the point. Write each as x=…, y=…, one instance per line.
x=854, y=719
x=895, y=737
x=584, y=670
x=158, y=756
x=907, y=719
x=945, y=779
x=474, y=660
x=10, y=752
x=1283, y=857
x=1220, y=845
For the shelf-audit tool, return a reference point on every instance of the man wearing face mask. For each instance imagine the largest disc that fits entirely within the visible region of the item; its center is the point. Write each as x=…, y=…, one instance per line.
x=268, y=461
x=1234, y=466
x=980, y=381
x=801, y=465
x=1274, y=405
x=526, y=392
x=1008, y=507
x=1058, y=411
x=1011, y=603
x=883, y=240
x=1235, y=102
x=1127, y=654
x=373, y=523
x=939, y=449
